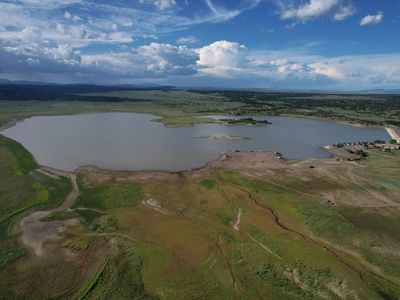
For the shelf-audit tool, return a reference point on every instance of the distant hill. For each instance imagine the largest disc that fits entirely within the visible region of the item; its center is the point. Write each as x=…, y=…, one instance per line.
x=130, y=86
x=29, y=90
x=381, y=91
x=22, y=91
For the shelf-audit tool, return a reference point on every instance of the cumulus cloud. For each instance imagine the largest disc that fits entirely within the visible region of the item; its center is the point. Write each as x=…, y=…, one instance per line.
x=84, y=22
x=284, y=68
x=347, y=72
x=153, y=60
x=69, y=16
x=30, y=45
x=53, y=41
x=337, y=9
x=166, y=57
x=327, y=69
x=221, y=58
x=372, y=19
x=31, y=55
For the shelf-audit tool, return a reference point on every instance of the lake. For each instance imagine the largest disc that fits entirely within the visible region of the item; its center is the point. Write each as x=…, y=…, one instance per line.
x=131, y=141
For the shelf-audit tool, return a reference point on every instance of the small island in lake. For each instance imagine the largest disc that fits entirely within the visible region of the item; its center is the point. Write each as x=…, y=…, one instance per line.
x=245, y=121
x=223, y=137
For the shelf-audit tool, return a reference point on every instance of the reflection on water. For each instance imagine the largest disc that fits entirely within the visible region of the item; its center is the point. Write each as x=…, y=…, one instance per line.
x=129, y=141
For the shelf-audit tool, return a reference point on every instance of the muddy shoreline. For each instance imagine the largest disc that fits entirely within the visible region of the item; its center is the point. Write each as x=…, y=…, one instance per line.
x=35, y=232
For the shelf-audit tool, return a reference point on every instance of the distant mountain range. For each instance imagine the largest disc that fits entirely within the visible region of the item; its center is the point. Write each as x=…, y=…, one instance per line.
x=147, y=86
x=119, y=86
x=381, y=91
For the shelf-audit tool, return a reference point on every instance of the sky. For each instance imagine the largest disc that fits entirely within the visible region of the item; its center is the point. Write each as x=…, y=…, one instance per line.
x=272, y=44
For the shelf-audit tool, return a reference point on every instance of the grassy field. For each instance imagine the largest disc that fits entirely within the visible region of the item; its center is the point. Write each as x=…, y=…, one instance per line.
x=22, y=190
x=176, y=108
x=20, y=187
x=177, y=236
x=291, y=244
x=186, y=107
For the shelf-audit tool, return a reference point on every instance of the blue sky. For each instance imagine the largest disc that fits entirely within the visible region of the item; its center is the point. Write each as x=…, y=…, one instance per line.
x=293, y=44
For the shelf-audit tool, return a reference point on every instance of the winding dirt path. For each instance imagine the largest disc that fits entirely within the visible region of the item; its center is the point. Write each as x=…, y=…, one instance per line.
x=35, y=232
x=236, y=226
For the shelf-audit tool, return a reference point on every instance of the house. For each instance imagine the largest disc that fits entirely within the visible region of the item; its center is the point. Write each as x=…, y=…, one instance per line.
x=387, y=147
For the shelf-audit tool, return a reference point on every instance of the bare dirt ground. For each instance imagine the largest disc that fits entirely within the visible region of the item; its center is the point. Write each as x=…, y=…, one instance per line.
x=394, y=133
x=236, y=226
x=269, y=167
x=35, y=232
x=261, y=161
x=153, y=204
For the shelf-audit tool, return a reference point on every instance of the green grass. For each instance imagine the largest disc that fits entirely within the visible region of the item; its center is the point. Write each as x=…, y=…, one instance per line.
x=352, y=228
x=20, y=188
x=76, y=245
x=208, y=184
x=10, y=255
x=273, y=275
x=111, y=195
x=21, y=160
x=119, y=278
x=185, y=107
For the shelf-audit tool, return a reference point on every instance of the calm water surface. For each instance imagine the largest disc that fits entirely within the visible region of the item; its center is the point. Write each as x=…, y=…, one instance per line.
x=130, y=141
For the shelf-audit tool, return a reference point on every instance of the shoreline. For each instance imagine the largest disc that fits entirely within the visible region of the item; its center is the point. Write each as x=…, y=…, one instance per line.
x=158, y=118
x=221, y=158
x=394, y=134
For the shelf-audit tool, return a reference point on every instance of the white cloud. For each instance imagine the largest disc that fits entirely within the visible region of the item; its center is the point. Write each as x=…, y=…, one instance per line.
x=372, y=19
x=160, y=4
x=153, y=60
x=36, y=39
x=283, y=68
x=344, y=11
x=187, y=40
x=337, y=9
x=50, y=4
x=221, y=14
x=31, y=55
x=86, y=22
x=221, y=58
x=327, y=69
x=347, y=72
x=69, y=16
x=166, y=57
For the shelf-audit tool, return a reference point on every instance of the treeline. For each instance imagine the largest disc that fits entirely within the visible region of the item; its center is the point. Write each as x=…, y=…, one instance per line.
x=373, y=109
x=75, y=92
x=376, y=102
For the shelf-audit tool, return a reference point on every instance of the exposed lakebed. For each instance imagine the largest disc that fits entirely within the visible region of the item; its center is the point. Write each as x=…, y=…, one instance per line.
x=131, y=141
